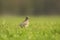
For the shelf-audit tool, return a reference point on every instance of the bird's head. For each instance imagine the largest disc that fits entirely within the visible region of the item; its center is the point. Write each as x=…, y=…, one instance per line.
x=26, y=18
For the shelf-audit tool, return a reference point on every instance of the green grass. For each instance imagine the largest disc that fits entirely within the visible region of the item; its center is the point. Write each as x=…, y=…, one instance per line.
x=40, y=28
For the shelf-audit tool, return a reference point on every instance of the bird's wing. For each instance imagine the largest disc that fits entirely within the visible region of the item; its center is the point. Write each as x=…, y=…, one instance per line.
x=23, y=24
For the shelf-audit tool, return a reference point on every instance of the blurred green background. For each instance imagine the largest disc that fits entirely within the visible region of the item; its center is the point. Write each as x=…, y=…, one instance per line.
x=44, y=19
x=30, y=7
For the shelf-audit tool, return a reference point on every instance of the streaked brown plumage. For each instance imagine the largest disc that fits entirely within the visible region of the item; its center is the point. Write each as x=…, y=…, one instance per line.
x=25, y=23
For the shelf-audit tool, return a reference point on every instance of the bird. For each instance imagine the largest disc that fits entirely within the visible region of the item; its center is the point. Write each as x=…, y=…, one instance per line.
x=25, y=23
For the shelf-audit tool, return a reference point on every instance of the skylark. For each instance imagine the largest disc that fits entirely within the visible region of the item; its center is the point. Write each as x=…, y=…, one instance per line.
x=25, y=23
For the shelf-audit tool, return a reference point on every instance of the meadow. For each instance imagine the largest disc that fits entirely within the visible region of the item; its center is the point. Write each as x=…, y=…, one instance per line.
x=40, y=28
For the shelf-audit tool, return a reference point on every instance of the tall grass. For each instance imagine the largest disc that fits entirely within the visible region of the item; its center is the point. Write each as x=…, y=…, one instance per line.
x=40, y=28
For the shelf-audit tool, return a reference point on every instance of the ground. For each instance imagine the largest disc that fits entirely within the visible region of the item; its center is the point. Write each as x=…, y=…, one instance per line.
x=40, y=28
